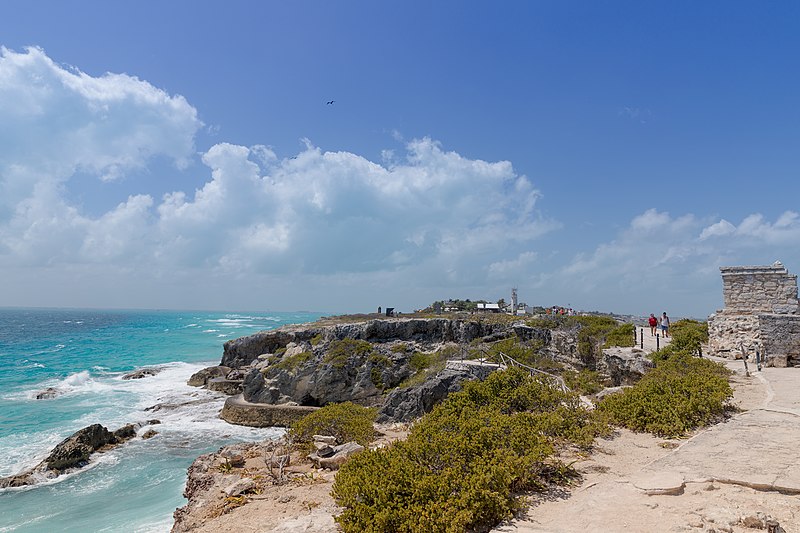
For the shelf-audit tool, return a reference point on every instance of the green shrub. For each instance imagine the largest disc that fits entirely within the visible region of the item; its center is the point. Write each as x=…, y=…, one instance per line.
x=379, y=362
x=429, y=364
x=592, y=334
x=689, y=334
x=680, y=394
x=464, y=464
x=419, y=361
x=345, y=421
x=621, y=335
x=546, y=322
x=316, y=339
x=399, y=348
x=585, y=382
x=293, y=362
x=527, y=353
x=340, y=351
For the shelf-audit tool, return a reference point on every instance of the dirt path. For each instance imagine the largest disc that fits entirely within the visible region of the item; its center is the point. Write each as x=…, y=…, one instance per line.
x=731, y=477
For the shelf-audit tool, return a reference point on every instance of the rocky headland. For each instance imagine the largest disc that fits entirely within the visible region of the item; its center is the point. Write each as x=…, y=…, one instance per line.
x=402, y=366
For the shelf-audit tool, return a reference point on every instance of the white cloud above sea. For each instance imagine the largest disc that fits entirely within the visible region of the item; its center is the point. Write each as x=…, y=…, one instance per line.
x=326, y=228
x=319, y=213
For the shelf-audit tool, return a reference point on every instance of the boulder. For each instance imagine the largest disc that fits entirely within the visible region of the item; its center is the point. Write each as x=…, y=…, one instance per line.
x=339, y=456
x=76, y=449
x=610, y=390
x=142, y=373
x=625, y=366
x=201, y=377
x=149, y=434
x=239, y=487
x=47, y=394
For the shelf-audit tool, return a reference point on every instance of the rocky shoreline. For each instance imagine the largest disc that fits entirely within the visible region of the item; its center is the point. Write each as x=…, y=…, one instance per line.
x=74, y=452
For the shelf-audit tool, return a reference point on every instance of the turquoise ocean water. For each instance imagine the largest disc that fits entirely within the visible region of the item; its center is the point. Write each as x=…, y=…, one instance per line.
x=83, y=354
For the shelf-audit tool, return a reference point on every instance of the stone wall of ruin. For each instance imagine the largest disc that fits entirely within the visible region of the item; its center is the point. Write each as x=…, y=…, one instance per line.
x=780, y=339
x=759, y=289
x=728, y=333
x=761, y=313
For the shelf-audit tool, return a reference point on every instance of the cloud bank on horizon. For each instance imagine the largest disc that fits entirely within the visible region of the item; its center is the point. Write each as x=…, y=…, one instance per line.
x=324, y=230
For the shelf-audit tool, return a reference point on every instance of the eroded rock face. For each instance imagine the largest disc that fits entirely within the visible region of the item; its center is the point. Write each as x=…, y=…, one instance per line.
x=404, y=405
x=625, y=366
x=242, y=352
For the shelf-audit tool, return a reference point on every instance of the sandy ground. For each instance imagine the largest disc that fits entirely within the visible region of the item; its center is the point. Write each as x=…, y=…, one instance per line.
x=727, y=478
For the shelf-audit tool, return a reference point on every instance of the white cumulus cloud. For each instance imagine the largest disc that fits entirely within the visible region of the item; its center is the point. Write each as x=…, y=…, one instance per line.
x=422, y=214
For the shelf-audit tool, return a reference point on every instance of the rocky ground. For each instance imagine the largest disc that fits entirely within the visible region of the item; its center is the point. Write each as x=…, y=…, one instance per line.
x=733, y=477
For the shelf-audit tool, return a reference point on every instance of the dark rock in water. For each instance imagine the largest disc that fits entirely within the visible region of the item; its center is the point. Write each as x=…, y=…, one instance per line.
x=201, y=377
x=73, y=453
x=126, y=432
x=47, y=393
x=150, y=433
x=142, y=373
x=76, y=449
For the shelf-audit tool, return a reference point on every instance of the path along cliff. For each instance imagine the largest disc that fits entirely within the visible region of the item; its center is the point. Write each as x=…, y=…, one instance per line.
x=734, y=476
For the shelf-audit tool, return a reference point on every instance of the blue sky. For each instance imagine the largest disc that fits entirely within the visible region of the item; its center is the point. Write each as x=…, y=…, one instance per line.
x=604, y=155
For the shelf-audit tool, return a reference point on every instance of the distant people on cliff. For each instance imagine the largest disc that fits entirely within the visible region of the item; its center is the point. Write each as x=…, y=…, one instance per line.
x=665, y=324
x=653, y=321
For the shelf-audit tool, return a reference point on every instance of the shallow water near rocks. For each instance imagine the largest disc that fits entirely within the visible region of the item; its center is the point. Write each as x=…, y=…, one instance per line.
x=83, y=354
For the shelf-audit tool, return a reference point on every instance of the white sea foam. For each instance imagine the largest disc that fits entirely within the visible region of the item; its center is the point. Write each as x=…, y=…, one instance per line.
x=77, y=379
x=210, y=330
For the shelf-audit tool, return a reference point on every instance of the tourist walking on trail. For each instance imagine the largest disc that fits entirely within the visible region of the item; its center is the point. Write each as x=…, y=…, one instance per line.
x=665, y=324
x=653, y=321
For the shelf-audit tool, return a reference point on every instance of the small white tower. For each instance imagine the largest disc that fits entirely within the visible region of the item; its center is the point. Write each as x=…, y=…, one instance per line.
x=514, y=301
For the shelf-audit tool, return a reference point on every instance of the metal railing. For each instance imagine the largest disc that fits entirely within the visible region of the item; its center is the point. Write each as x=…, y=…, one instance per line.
x=507, y=361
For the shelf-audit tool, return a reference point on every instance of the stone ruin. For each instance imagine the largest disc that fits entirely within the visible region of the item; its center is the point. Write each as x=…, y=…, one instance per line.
x=761, y=314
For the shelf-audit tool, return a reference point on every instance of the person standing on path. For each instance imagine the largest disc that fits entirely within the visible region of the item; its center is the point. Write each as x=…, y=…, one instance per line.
x=653, y=321
x=665, y=324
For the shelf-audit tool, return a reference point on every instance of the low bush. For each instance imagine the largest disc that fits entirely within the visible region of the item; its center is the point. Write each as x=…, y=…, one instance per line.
x=584, y=382
x=528, y=353
x=419, y=361
x=689, y=334
x=429, y=364
x=680, y=394
x=622, y=335
x=294, y=361
x=465, y=463
x=340, y=351
x=345, y=421
x=316, y=339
